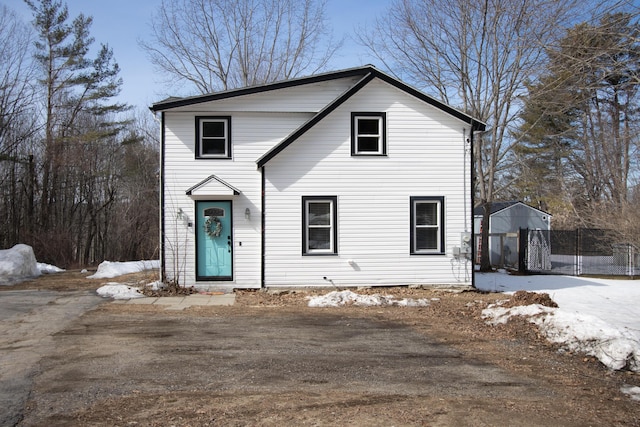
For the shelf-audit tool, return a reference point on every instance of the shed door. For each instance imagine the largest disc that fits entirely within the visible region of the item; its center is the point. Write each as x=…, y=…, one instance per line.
x=214, y=248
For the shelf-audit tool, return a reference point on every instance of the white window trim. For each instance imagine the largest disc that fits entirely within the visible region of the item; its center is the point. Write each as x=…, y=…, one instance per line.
x=227, y=137
x=332, y=250
x=439, y=226
x=381, y=135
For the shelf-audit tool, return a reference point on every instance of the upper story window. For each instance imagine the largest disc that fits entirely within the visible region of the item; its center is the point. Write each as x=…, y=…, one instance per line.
x=213, y=137
x=368, y=134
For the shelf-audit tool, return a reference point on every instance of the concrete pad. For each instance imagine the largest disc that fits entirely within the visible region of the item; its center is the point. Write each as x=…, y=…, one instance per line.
x=144, y=301
x=177, y=307
x=181, y=302
x=197, y=299
x=206, y=300
x=226, y=299
x=170, y=300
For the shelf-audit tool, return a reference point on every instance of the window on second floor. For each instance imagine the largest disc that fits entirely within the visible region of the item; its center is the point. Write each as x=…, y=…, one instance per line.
x=213, y=137
x=368, y=134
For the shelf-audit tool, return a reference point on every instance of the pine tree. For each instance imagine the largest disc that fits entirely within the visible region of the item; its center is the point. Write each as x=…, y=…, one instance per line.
x=579, y=118
x=79, y=120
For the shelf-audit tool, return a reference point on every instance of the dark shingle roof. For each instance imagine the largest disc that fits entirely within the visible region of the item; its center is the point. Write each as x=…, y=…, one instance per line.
x=498, y=206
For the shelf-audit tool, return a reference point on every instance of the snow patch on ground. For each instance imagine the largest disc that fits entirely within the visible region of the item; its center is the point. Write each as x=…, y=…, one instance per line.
x=48, y=268
x=594, y=316
x=340, y=298
x=119, y=291
x=111, y=269
x=19, y=263
x=156, y=286
x=632, y=391
x=500, y=315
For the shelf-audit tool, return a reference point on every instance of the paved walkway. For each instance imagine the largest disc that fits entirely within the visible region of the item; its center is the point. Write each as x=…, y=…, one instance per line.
x=182, y=302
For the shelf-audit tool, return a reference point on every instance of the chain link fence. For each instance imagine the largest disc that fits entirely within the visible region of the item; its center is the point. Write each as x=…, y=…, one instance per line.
x=584, y=251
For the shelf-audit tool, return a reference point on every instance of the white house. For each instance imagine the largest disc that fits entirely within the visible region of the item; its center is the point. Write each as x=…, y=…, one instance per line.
x=349, y=178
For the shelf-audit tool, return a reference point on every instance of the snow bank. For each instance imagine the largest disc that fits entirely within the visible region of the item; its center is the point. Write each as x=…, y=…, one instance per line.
x=501, y=315
x=156, y=286
x=17, y=264
x=616, y=349
x=339, y=298
x=119, y=291
x=109, y=269
x=595, y=316
x=48, y=268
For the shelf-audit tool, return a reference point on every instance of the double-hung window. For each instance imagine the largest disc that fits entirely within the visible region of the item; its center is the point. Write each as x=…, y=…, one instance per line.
x=213, y=137
x=427, y=225
x=319, y=230
x=368, y=134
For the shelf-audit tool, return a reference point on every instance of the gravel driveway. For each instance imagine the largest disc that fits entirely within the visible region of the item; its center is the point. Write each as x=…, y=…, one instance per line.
x=270, y=360
x=28, y=319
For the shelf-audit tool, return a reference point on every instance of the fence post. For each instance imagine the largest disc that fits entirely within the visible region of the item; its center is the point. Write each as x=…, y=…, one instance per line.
x=523, y=238
x=578, y=267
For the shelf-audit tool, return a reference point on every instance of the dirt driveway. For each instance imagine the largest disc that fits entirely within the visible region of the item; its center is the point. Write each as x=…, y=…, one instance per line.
x=271, y=360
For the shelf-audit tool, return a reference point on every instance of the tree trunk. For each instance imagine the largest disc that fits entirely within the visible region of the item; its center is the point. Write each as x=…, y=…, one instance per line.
x=485, y=261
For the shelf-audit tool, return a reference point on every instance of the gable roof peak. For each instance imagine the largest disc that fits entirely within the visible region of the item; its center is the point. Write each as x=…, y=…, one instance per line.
x=371, y=73
x=498, y=206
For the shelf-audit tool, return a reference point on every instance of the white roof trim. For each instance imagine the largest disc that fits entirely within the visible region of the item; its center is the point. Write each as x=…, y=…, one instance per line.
x=212, y=186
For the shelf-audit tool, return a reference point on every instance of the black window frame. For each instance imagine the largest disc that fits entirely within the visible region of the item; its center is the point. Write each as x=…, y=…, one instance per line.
x=199, y=147
x=382, y=117
x=333, y=249
x=441, y=250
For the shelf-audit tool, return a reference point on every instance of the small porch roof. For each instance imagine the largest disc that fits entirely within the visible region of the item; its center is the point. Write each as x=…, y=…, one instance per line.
x=212, y=186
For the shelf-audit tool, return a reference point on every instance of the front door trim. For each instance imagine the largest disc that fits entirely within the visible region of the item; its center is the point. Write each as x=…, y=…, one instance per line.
x=226, y=235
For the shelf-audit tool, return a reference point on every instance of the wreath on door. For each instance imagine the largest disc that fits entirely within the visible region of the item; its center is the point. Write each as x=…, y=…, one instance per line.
x=213, y=226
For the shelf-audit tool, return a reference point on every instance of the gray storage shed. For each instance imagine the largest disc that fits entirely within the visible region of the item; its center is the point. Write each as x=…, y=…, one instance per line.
x=505, y=220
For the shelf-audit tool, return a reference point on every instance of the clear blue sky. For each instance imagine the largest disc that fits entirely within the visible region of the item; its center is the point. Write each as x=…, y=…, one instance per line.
x=121, y=23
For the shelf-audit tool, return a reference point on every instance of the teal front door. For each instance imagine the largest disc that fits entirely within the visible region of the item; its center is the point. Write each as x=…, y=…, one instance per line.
x=214, y=248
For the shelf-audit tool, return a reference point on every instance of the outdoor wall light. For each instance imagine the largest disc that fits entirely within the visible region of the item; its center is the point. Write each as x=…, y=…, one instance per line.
x=247, y=213
x=184, y=218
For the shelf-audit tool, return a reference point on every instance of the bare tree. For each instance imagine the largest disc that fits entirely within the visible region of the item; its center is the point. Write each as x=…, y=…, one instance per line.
x=16, y=72
x=477, y=55
x=135, y=225
x=17, y=125
x=78, y=174
x=474, y=54
x=213, y=45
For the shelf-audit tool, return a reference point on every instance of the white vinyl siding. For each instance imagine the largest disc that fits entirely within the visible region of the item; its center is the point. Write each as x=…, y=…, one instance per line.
x=253, y=134
x=425, y=152
x=298, y=99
